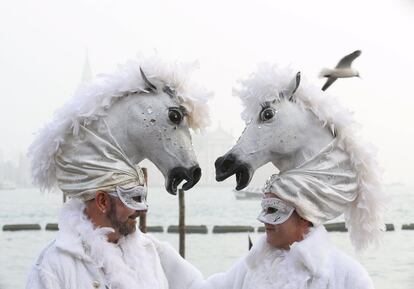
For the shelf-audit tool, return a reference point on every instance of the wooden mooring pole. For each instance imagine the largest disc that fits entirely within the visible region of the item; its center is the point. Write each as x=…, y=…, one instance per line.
x=181, y=222
x=143, y=216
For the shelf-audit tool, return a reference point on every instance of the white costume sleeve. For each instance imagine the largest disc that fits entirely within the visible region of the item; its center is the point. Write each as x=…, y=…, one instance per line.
x=41, y=277
x=179, y=272
x=358, y=278
x=232, y=279
x=183, y=275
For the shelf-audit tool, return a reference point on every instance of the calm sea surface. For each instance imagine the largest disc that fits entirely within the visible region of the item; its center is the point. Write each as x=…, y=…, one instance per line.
x=390, y=266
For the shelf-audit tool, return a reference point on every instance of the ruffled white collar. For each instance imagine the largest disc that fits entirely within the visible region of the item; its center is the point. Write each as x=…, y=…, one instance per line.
x=306, y=260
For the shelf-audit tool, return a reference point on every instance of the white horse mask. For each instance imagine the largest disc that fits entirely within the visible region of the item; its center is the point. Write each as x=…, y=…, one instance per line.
x=155, y=126
x=97, y=139
x=324, y=167
x=278, y=131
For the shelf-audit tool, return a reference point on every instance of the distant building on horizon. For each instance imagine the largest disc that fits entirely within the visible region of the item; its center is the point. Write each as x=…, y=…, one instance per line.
x=208, y=147
x=15, y=174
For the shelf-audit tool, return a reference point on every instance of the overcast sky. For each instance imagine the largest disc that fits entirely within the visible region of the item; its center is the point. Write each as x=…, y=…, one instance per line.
x=43, y=47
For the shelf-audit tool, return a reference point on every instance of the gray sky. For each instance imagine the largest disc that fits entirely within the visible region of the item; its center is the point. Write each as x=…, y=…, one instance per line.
x=43, y=45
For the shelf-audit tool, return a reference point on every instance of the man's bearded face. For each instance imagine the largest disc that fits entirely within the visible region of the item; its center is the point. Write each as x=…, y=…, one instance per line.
x=122, y=218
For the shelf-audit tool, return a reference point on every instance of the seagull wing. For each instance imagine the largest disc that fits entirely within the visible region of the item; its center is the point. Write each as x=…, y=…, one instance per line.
x=328, y=82
x=347, y=60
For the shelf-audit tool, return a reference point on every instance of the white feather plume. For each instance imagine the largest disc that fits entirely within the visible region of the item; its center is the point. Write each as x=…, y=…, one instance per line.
x=364, y=217
x=93, y=100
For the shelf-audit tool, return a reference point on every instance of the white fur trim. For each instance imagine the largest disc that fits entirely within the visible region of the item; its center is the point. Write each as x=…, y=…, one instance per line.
x=132, y=263
x=312, y=263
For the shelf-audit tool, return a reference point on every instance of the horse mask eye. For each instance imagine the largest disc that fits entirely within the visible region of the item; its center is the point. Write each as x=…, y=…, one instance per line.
x=175, y=115
x=267, y=114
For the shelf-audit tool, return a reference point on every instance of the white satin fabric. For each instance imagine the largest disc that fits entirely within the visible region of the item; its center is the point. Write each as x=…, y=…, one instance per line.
x=92, y=161
x=321, y=188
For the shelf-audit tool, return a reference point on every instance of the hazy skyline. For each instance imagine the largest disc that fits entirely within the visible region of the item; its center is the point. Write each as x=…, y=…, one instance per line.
x=44, y=44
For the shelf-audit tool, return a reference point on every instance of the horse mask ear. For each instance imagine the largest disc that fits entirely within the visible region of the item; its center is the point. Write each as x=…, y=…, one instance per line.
x=293, y=86
x=148, y=84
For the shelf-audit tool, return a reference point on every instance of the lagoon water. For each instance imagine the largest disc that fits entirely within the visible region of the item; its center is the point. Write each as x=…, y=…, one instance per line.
x=391, y=265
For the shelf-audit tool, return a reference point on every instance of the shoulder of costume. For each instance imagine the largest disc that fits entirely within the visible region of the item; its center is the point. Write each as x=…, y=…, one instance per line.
x=161, y=246
x=351, y=267
x=45, y=253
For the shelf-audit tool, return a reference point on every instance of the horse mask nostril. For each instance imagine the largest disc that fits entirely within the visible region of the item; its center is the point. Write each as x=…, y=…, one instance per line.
x=227, y=163
x=196, y=173
x=218, y=162
x=179, y=174
x=193, y=175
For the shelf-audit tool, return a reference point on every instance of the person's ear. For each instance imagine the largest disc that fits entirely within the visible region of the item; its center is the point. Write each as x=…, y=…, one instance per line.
x=304, y=223
x=102, y=202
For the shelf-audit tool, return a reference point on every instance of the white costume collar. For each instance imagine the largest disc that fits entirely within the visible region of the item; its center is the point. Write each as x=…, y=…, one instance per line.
x=133, y=261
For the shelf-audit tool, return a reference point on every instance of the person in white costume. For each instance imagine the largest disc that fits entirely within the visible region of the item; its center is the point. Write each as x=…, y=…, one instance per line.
x=294, y=254
x=98, y=247
x=325, y=171
x=90, y=151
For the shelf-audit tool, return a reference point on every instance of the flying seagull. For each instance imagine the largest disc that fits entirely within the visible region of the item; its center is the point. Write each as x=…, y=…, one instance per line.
x=343, y=69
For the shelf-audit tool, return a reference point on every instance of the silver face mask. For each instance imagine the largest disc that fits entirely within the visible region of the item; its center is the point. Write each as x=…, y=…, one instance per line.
x=275, y=211
x=134, y=198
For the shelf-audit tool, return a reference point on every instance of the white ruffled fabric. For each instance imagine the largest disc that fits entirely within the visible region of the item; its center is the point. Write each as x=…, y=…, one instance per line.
x=364, y=216
x=313, y=263
x=81, y=257
x=126, y=265
x=294, y=269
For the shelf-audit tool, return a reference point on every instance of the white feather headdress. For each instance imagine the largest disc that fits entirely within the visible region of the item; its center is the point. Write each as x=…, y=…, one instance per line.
x=364, y=217
x=93, y=100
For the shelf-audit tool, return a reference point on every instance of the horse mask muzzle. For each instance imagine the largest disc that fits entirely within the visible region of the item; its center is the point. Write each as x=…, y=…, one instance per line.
x=178, y=174
x=229, y=165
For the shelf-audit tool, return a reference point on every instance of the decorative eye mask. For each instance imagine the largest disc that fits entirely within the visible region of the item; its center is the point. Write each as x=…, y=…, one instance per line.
x=134, y=198
x=275, y=211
